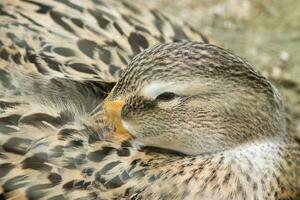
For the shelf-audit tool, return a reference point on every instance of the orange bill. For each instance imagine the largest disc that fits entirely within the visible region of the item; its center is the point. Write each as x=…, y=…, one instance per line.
x=112, y=116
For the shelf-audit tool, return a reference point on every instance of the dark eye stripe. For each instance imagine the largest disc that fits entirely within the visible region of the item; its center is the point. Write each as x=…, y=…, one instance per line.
x=166, y=96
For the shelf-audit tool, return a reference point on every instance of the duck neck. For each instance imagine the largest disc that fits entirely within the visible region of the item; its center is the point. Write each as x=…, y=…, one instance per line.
x=257, y=170
x=266, y=167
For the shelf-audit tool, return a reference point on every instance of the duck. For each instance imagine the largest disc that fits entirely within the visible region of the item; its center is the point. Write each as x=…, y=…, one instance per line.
x=215, y=108
x=124, y=103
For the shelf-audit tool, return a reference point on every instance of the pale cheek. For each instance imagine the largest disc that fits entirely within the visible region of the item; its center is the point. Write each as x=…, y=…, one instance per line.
x=193, y=103
x=125, y=125
x=131, y=127
x=169, y=105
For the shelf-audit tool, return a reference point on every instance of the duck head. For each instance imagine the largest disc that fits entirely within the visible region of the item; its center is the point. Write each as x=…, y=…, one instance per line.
x=193, y=98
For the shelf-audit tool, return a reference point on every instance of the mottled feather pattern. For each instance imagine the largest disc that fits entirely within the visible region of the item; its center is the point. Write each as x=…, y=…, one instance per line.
x=58, y=60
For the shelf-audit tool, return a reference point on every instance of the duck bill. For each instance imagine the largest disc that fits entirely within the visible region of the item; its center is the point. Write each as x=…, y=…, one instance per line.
x=112, y=116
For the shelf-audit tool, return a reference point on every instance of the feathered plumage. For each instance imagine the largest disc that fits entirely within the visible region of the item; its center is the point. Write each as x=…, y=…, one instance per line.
x=58, y=60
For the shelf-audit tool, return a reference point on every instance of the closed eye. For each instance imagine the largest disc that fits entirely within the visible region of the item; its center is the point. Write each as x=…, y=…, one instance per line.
x=166, y=96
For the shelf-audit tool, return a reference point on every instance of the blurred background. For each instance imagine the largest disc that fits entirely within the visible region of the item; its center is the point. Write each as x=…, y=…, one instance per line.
x=266, y=33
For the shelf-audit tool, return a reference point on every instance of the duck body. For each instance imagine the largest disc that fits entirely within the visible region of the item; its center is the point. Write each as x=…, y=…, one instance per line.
x=58, y=61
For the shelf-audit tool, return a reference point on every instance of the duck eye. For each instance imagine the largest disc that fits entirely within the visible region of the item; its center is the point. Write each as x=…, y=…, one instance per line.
x=166, y=96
